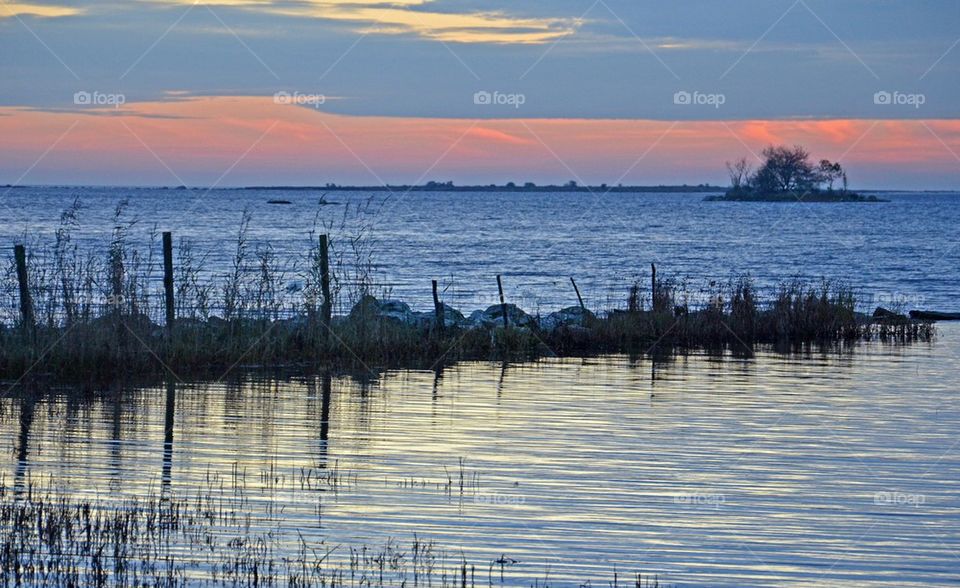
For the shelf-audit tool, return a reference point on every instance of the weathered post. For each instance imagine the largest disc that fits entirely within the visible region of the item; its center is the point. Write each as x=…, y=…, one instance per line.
x=26, y=302
x=503, y=303
x=168, y=279
x=653, y=286
x=437, y=308
x=327, y=308
x=580, y=298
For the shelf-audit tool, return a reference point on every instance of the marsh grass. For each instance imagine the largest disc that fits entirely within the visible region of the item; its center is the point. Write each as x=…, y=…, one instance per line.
x=731, y=315
x=98, y=316
x=228, y=531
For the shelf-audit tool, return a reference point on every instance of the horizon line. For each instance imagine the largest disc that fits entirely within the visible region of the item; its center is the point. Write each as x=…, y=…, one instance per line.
x=518, y=187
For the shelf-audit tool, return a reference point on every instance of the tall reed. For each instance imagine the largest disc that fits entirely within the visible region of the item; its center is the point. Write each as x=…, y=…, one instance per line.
x=100, y=314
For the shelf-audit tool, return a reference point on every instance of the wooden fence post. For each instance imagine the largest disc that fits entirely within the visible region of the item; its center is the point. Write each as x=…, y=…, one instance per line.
x=580, y=298
x=653, y=286
x=327, y=308
x=26, y=303
x=438, y=308
x=168, y=279
x=503, y=304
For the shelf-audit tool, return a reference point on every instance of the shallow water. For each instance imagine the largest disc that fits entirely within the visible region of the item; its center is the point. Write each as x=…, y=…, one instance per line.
x=830, y=468
x=905, y=251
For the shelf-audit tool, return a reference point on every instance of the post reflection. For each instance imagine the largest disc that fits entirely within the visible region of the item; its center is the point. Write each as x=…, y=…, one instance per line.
x=168, y=424
x=326, y=391
x=28, y=402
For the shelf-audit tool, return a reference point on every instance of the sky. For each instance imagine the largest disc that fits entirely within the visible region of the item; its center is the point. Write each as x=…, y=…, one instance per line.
x=306, y=92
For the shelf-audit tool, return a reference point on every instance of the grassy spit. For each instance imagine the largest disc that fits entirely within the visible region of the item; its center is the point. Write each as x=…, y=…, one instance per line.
x=98, y=315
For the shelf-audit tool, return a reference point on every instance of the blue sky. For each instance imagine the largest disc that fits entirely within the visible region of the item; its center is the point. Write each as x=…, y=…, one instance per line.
x=603, y=59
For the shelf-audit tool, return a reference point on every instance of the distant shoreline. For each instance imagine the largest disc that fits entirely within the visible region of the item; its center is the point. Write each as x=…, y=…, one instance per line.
x=702, y=188
x=494, y=188
x=678, y=189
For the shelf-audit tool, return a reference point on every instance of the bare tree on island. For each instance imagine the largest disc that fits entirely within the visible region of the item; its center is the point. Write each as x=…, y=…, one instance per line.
x=739, y=172
x=789, y=174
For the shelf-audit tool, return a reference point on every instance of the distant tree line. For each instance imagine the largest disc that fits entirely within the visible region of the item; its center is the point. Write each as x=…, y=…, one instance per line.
x=570, y=186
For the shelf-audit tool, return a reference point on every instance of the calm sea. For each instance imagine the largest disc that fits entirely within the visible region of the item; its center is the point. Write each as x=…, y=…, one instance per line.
x=905, y=252
x=826, y=469
x=836, y=468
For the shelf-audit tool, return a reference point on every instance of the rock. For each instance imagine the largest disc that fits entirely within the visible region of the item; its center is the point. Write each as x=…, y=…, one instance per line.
x=452, y=318
x=493, y=317
x=933, y=315
x=216, y=322
x=138, y=323
x=883, y=313
x=291, y=324
x=570, y=316
x=475, y=319
x=235, y=324
x=575, y=335
x=369, y=308
x=189, y=324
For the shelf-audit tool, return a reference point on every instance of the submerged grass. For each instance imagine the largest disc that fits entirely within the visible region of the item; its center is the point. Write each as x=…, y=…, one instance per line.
x=97, y=317
x=224, y=534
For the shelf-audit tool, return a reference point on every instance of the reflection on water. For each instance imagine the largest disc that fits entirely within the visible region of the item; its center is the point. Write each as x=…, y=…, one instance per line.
x=828, y=468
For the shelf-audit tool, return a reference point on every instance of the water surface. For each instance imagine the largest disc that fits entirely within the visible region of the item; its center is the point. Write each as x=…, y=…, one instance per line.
x=901, y=252
x=827, y=468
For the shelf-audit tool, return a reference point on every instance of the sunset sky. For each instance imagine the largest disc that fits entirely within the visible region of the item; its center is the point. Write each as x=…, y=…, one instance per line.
x=254, y=92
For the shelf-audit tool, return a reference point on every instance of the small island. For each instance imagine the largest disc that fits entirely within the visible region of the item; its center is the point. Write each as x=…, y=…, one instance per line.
x=787, y=174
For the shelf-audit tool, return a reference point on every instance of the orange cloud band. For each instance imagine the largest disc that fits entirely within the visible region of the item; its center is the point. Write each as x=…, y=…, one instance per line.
x=197, y=140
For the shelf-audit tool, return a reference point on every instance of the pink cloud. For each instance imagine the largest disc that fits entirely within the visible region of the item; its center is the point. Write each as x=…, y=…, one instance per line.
x=199, y=139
